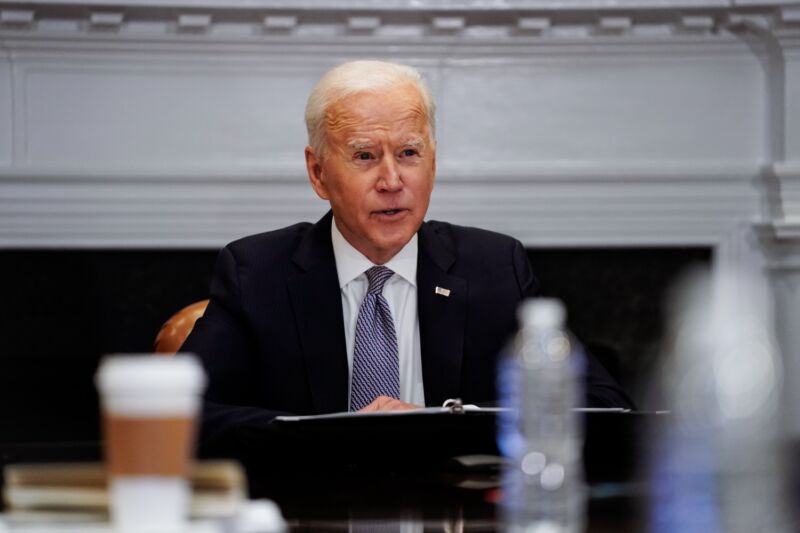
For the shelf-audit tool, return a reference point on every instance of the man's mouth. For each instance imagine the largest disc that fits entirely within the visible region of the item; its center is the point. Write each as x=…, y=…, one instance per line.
x=390, y=212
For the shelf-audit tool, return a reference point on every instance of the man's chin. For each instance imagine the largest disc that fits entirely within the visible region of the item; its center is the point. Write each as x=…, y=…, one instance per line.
x=386, y=248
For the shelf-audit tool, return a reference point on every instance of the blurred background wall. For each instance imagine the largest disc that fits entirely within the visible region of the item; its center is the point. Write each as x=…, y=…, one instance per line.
x=620, y=141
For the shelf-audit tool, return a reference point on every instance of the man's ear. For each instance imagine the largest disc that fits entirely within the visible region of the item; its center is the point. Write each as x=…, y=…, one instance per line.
x=434, y=159
x=315, y=174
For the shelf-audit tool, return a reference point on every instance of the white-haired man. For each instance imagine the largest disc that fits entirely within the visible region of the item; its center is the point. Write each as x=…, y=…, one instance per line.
x=371, y=308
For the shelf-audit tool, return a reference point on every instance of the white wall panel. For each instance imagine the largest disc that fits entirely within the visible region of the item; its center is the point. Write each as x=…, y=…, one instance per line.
x=158, y=116
x=601, y=110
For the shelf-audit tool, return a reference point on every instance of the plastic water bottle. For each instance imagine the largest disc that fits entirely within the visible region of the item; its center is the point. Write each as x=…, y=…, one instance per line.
x=719, y=463
x=541, y=433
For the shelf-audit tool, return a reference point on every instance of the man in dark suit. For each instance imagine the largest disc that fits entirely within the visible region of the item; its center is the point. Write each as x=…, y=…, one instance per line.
x=285, y=329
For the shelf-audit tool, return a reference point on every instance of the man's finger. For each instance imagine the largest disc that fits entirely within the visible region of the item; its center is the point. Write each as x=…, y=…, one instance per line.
x=386, y=403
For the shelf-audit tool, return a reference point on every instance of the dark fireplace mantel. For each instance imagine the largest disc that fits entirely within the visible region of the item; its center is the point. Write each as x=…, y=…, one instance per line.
x=62, y=310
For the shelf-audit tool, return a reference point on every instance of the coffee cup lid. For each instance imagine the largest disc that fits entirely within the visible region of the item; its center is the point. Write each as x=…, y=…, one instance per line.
x=119, y=373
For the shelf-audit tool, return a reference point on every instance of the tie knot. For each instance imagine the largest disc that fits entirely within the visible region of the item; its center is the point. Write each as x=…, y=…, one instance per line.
x=377, y=277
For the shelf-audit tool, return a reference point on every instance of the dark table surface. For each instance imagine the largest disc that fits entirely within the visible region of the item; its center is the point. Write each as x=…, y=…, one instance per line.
x=330, y=481
x=343, y=497
x=330, y=476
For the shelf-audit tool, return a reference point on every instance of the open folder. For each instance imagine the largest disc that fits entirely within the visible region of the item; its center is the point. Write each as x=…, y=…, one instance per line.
x=423, y=413
x=450, y=408
x=414, y=423
x=418, y=439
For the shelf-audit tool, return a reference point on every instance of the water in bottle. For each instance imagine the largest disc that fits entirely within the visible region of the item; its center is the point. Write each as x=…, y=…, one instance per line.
x=541, y=433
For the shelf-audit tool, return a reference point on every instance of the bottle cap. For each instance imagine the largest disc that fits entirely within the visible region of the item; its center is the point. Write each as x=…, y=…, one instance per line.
x=542, y=313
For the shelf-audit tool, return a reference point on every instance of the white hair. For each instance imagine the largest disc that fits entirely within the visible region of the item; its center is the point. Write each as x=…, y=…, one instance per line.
x=355, y=77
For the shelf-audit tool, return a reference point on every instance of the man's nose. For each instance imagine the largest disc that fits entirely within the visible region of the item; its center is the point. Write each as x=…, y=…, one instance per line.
x=389, y=179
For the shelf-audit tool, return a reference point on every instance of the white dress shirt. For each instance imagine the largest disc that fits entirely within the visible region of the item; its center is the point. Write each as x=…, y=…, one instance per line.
x=400, y=292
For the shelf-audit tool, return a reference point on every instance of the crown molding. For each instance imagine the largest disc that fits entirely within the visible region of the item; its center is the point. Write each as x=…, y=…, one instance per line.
x=442, y=20
x=414, y=5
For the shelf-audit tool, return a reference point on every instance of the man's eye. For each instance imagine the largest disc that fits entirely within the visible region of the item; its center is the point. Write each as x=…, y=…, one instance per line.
x=409, y=152
x=364, y=156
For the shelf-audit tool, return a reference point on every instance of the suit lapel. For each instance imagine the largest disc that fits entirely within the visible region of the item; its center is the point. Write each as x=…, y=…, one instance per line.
x=317, y=307
x=441, y=318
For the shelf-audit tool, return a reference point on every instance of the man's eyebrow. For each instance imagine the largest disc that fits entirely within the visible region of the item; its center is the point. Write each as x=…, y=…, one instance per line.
x=359, y=145
x=416, y=142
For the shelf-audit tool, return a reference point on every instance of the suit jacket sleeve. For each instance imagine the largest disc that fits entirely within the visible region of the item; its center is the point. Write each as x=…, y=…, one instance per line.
x=528, y=285
x=223, y=343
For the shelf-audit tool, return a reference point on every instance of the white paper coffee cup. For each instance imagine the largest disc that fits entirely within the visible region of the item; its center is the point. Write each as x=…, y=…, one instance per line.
x=150, y=405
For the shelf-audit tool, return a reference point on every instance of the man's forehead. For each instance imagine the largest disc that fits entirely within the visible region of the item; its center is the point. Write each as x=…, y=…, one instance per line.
x=393, y=105
x=350, y=115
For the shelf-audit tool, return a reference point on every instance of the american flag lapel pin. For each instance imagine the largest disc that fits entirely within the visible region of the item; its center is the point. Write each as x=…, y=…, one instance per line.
x=442, y=291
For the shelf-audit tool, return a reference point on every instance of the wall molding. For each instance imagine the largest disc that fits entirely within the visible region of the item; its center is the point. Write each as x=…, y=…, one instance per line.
x=568, y=205
x=434, y=20
x=786, y=201
x=272, y=170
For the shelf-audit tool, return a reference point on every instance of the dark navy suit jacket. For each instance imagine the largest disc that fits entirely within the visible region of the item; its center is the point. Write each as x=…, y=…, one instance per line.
x=272, y=339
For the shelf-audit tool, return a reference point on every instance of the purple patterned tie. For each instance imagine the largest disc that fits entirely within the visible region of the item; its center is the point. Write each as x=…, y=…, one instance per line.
x=375, y=366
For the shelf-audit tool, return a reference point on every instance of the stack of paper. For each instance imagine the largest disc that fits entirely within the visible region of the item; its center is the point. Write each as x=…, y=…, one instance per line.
x=76, y=492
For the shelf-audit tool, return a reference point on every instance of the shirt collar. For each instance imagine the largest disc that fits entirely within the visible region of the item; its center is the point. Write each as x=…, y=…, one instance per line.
x=350, y=263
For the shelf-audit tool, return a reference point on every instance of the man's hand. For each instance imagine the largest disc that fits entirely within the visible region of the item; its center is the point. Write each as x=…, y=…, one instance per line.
x=387, y=403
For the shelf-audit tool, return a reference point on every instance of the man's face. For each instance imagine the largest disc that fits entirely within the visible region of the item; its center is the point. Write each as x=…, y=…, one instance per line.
x=378, y=169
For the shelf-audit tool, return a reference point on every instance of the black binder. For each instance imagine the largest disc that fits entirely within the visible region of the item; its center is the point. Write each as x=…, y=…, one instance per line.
x=433, y=437
x=418, y=439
